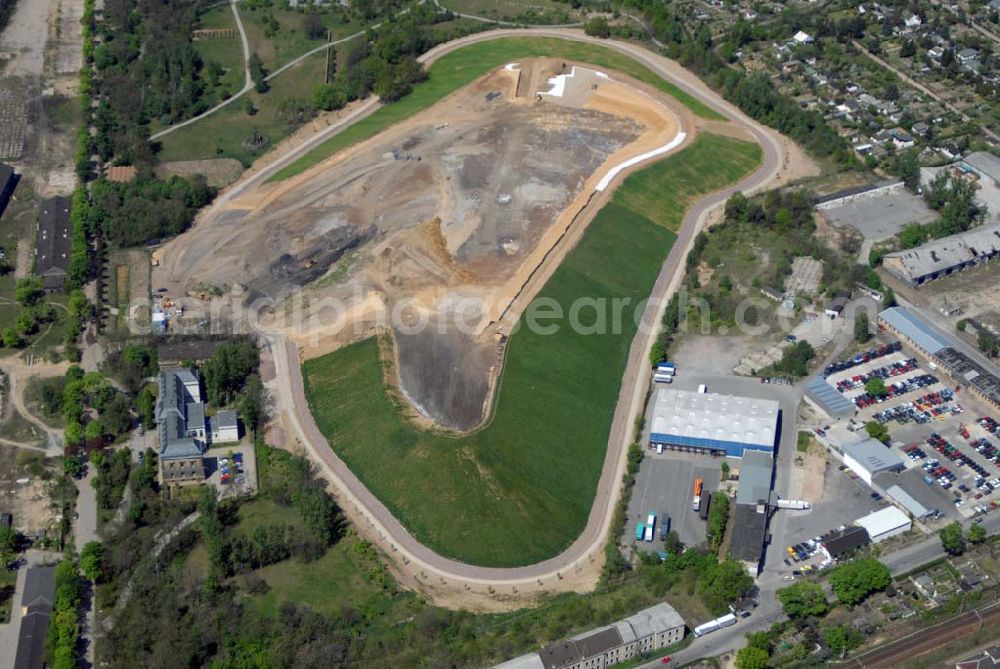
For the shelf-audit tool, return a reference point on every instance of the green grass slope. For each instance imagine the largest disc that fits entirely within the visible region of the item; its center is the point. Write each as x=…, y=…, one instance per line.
x=465, y=65
x=520, y=490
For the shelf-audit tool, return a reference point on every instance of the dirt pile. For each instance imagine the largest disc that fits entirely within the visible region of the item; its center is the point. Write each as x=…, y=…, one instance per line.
x=443, y=217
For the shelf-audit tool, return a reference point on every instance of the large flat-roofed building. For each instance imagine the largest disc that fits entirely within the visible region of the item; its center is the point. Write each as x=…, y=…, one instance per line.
x=648, y=630
x=870, y=457
x=885, y=523
x=753, y=510
x=53, y=244
x=713, y=423
x=940, y=257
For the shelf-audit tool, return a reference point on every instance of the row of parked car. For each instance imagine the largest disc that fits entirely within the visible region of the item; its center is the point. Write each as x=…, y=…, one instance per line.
x=897, y=368
x=896, y=389
x=862, y=358
x=227, y=470
x=932, y=406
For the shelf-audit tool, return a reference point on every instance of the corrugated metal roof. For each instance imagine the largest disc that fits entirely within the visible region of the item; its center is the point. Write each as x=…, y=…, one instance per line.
x=828, y=398
x=873, y=455
x=726, y=418
x=914, y=328
x=906, y=499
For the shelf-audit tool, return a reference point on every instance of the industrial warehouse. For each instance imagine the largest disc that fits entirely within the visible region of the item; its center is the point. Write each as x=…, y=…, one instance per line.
x=942, y=257
x=944, y=350
x=713, y=423
x=754, y=504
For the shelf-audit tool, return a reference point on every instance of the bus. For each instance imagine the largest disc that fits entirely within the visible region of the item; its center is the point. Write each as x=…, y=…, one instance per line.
x=650, y=526
x=640, y=531
x=696, y=499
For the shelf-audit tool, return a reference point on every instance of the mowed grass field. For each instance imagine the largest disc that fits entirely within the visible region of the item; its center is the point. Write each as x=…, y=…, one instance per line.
x=520, y=490
x=465, y=65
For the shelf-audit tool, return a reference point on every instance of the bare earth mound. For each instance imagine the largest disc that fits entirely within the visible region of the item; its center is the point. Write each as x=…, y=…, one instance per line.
x=439, y=221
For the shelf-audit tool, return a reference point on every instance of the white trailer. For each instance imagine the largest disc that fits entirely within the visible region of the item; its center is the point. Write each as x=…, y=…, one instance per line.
x=796, y=504
x=713, y=625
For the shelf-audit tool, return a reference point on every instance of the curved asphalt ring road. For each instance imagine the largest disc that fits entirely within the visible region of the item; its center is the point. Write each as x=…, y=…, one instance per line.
x=590, y=544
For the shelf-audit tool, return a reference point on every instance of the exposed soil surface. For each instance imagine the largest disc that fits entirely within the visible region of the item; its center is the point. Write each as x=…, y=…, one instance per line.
x=441, y=219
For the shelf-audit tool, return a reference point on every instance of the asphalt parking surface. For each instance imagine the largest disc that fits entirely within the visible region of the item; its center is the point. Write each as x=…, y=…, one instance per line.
x=665, y=485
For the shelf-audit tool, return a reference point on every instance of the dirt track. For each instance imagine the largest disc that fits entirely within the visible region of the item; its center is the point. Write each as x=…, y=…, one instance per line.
x=451, y=583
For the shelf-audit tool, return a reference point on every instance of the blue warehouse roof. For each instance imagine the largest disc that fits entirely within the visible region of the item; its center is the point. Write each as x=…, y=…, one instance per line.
x=915, y=329
x=828, y=398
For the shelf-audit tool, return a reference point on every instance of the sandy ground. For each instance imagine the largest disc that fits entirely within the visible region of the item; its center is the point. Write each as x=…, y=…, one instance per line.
x=475, y=201
x=24, y=39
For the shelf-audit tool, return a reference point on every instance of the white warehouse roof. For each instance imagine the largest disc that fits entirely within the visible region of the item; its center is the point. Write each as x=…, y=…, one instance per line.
x=885, y=520
x=745, y=420
x=873, y=456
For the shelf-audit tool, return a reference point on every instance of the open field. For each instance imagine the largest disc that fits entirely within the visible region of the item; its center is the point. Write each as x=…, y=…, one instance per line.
x=505, y=495
x=227, y=53
x=530, y=11
x=278, y=113
x=291, y=40
x=465, y=65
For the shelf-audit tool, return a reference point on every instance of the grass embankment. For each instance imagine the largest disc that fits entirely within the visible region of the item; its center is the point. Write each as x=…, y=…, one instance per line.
x=465, y=65
x=520, y=490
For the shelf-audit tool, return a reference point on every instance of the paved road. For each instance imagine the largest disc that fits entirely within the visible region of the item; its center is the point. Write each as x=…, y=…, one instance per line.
x=586, y=550
x=84, y=531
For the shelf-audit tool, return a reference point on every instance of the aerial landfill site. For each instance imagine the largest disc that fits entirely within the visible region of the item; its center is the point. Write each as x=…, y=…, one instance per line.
x=446, y=217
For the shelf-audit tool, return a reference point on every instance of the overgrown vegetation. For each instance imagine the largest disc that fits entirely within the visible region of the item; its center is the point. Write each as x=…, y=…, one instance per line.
x=854, y=581
x=64, y=629
x=718, y=517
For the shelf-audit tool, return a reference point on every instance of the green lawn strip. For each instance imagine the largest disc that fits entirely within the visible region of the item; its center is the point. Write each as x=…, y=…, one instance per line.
x=467, y=64
x=519, y=490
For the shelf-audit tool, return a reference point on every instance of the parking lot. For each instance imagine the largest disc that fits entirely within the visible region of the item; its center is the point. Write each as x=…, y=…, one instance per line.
x=943, y=434
x=845, y=499
x=664, y=486
x=232, y=470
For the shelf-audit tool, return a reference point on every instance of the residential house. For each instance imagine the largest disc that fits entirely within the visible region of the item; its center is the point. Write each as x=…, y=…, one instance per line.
x=967, y=54
x=802, y=38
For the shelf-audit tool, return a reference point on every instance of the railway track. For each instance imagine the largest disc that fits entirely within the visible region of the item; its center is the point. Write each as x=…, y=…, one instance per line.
x=922, y=641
